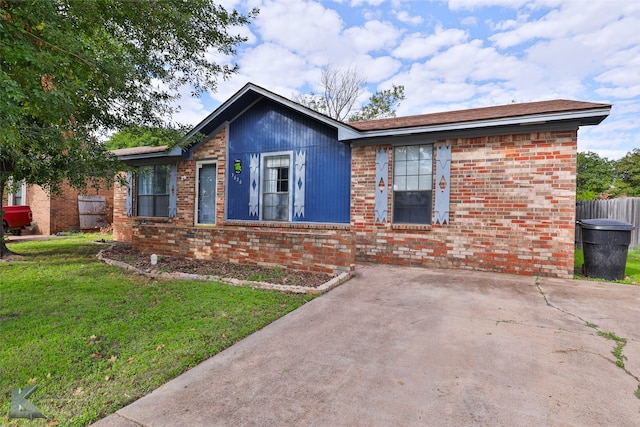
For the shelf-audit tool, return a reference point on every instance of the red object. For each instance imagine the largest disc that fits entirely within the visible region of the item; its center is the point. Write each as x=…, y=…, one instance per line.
x=15, y=218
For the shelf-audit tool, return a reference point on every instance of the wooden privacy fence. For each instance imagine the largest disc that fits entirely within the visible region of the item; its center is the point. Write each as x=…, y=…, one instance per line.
x=625, y=209
x=93, y=212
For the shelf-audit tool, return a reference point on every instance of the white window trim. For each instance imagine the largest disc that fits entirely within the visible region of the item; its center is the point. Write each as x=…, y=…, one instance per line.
x=291, y=181
x=10, y=196
x=199, y=165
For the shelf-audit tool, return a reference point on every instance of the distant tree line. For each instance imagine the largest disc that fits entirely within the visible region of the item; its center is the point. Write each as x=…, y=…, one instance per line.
x=601, y=178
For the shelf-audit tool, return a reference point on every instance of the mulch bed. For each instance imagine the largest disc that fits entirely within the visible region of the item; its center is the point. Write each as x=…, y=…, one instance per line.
x=124, y=253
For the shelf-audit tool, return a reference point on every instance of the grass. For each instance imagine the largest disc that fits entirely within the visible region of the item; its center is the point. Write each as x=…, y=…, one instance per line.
x=617, y=351
x=632, y=269
x=94, y=337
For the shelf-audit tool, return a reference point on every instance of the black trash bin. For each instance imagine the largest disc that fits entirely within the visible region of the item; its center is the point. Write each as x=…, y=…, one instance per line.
x=605, y=243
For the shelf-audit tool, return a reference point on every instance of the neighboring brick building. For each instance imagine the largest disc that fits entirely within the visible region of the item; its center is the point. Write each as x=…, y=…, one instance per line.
x=275, y=183
x=60, y=213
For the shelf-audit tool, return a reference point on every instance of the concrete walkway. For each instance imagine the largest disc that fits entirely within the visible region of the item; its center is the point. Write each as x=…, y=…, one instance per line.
x=414, y=347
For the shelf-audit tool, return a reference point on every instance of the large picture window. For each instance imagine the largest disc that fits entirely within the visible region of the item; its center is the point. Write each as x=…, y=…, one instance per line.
x=276, y=194
x=412, y=184
x=206, y=193
x=153, y=190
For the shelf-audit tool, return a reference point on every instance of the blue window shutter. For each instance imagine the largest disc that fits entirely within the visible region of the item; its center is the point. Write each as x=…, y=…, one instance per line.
x=443, y=183
x=299, y=179
x=254, y=184
x=173, y=190
x=129, y=193
x=382, y=188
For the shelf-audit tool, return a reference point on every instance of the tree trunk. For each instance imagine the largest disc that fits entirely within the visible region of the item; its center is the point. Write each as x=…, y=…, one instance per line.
x=4, y=250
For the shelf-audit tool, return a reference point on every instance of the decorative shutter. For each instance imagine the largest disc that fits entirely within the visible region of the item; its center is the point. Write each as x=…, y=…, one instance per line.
x=298, y=203
x=173, y=191
x=382, y=188
x=129, y=193
x=443, y=183
x=254, y=187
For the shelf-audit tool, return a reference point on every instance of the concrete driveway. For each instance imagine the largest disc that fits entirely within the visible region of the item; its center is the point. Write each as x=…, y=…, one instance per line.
x=414, y=347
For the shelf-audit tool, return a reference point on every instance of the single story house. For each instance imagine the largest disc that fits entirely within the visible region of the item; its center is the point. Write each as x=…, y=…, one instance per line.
x=275, y=183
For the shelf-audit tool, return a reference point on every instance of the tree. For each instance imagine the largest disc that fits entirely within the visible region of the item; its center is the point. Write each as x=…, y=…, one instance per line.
x=341, y=90
x=138, y=136
x=628, y=174
x=70, y=69
x=382, y=105
x=595, y=175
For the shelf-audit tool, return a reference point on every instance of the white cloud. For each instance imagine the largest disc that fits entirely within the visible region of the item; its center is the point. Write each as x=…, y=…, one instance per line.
x=271, y=66
x=374, y=35
x=377, y=69
x=528, y=50
x=404, y=16
x=469, y=21
x=569, y=19
x=459, y=5
x=191, y=109
x=478, y=4
x=416, y=46
x=616, y=135
x=300, y=26
x=357, y=3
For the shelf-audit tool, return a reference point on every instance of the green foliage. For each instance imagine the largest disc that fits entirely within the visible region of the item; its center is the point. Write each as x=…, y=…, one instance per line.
x=341, y=88
x=382, y=104
x=95, y=337
x=628, y=174
x=139, y=136
x=70, y=69
x=617, y=351
x=595, y=175
x=631, y=272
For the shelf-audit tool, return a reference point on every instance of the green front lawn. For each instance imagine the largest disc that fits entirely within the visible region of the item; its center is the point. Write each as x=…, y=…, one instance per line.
x=95, y=338
x=632, y=270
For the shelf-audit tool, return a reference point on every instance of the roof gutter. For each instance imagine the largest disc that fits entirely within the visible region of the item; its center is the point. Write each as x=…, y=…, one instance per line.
x=582, y=118
x=158, y=157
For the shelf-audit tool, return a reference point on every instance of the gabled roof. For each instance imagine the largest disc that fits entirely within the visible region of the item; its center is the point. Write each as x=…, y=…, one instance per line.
x=560, y=108
x=249, y=95
x=545, y=115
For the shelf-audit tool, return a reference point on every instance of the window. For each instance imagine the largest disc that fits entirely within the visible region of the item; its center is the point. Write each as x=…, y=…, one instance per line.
x=412, y=184
x=275, y=188
x=153, y=190
x=206, y=193
x=18, y=197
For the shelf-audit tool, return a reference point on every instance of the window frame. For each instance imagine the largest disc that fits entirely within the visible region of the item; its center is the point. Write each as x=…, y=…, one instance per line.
x=428, y=192
x=199, y=165
x=23, y=194
x=263, y=174
x=153, y=195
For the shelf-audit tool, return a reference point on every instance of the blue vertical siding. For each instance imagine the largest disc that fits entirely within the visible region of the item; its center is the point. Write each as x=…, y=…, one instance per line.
x=268, y=127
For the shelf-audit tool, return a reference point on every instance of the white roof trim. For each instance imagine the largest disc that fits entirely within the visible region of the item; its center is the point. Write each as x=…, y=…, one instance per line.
x=344, y=131
x=476, y=124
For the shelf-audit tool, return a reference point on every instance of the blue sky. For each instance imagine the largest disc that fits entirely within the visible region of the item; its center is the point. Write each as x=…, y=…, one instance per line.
x=449, y=55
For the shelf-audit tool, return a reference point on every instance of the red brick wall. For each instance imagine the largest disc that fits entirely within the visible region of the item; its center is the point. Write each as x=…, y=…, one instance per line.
x=122, y=224
x=512, y=208
x=324, y=249
x=60, y=213
x=40, y=203
x=318, y=248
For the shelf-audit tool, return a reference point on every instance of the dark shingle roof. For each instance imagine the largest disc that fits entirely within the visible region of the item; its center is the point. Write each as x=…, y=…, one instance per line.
x=478, y=114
